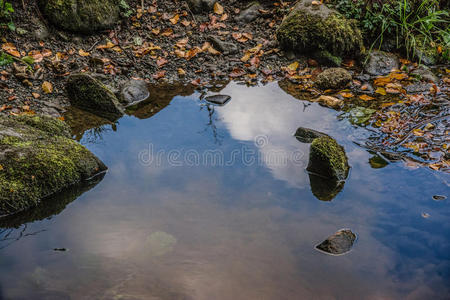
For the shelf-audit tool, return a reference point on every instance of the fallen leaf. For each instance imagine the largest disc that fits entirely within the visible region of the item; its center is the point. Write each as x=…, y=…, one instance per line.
x=81, y=52
x=175, y=19
x=293, y=67
x=381, y=91
x=159, y=75
x=47, y=87
x=218, y=9
x=35, y=95
x=346, y=94
x=366, y=97
x=161, y=62
x=11, y=49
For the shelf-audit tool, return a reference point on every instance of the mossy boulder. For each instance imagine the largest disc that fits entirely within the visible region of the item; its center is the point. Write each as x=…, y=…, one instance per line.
x=87, y=93
x=84, y=16
x=307, y=135
x=310, y=28
x=38, y=158
x=333, y=78
x=328, y=159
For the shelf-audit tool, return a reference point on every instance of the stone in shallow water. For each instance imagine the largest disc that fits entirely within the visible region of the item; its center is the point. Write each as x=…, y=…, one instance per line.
x=381, y=63
x=134, y=91
x=306, y=135
x=160, y=243
x=325, y=189
x=439, y=197
x=339, y=243
x=218, y=99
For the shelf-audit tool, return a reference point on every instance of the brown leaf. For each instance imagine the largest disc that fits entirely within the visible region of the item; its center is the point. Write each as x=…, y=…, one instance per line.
x=159, y=75
x=175, y=19
x=218, y=9
x=366, y=97
x=47, y=87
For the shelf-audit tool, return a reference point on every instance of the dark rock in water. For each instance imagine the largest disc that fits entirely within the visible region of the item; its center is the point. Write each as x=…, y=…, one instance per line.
x=306, y=135
x=51, y=206
x=224, y=47
x=310, y=28
x=339, y=243
x=424, y=73
x=87, y=93
x=325, y=189
x=201, y=6
x=333, y=78
x=328, y=159
x=134, y=91
x=60, y=249
x=39, y=159
x=250, y=13
x=81, y=121
x=439, y=197
x=377, y=162
x=381, y=63
x=218, y=99
x=85, y=16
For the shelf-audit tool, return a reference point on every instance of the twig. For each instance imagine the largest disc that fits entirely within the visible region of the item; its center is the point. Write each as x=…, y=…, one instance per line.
x=418, y=126
x=189, y=9
x=92, y=47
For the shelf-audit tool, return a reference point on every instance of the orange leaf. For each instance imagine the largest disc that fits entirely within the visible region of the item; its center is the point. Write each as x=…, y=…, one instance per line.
x=175, y=19
x=366, y=97
x=81, y=52
x=47, y=87
x=218, y=9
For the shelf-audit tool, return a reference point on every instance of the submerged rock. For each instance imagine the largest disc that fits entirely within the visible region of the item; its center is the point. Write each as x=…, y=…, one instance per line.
x=378, y=162
x=87, y=93
x=329, y=101
x=84, y=16
x=328, y=159
x=381, y=63
x=325, y=189
x=160, y=243
x=309, y=28
x=424, y=73
x=134, y=91
x=339, y=243
x=38, y=159
x=360, y=115
x=333, y=78
x=218, y=99
x=306, y=135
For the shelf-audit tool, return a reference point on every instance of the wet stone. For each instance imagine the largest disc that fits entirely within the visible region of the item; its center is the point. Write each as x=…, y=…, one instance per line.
x=134, y=92
x=381, y=63
x=218, y=99
x=439, y=197
x=419, y=87
x=339, y=243
x=224, y=47
x=306, y=135
x=249, y=14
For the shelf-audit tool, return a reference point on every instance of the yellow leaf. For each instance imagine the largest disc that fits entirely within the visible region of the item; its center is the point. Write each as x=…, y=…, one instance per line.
x=175, y=19
x=346, y=94
x=181, y=72
x=381, y=91
x=366, y=97
x=47, y=87
x=1, y=167
x=81, y=52
x=218, y=9
x=293, y=67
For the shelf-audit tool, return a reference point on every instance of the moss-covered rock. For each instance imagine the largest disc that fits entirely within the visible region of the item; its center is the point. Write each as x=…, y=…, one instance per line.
x=38, y=159
x=87, y=93
x=325, y=189
x=328, y=159
x=333, y=78
x=84, y=16
x=309, y=28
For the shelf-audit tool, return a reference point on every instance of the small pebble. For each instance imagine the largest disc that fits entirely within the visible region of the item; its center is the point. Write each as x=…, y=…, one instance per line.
x=439, y=197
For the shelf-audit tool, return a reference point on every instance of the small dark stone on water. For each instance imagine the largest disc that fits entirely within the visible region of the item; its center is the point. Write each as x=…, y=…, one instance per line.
x=306, y=135
x=60, y=249
x=339, y=243
x=439, y=197
x=218, y=99
x=377, y=162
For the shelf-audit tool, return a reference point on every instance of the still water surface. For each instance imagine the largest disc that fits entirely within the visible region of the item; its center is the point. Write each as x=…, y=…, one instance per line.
x=213, y=202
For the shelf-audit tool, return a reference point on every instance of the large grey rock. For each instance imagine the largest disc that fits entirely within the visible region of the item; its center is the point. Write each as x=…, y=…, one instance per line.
x=201, y=6
x=381, y=63
x=424, y=73
x=224, y=47
x=250, y=13
x=309, y=28
x=84, y=16
x=339, y=243
x=218, y=99
x=87, y=93
x=333, y=78
x=38, y=158
x=328, y=159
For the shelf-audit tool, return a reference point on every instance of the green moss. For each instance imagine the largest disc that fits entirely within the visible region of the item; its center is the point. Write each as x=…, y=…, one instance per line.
x=327, y=158
x=37, y=163
x=306, y=32
x=333, y=78
x=83, y=15
x=89, y=94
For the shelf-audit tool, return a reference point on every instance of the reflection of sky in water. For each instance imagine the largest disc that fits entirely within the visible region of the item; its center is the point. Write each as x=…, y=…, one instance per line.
x=235, y=232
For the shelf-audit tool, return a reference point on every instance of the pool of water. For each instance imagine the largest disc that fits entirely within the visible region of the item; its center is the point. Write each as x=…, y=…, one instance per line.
x=213, y=202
